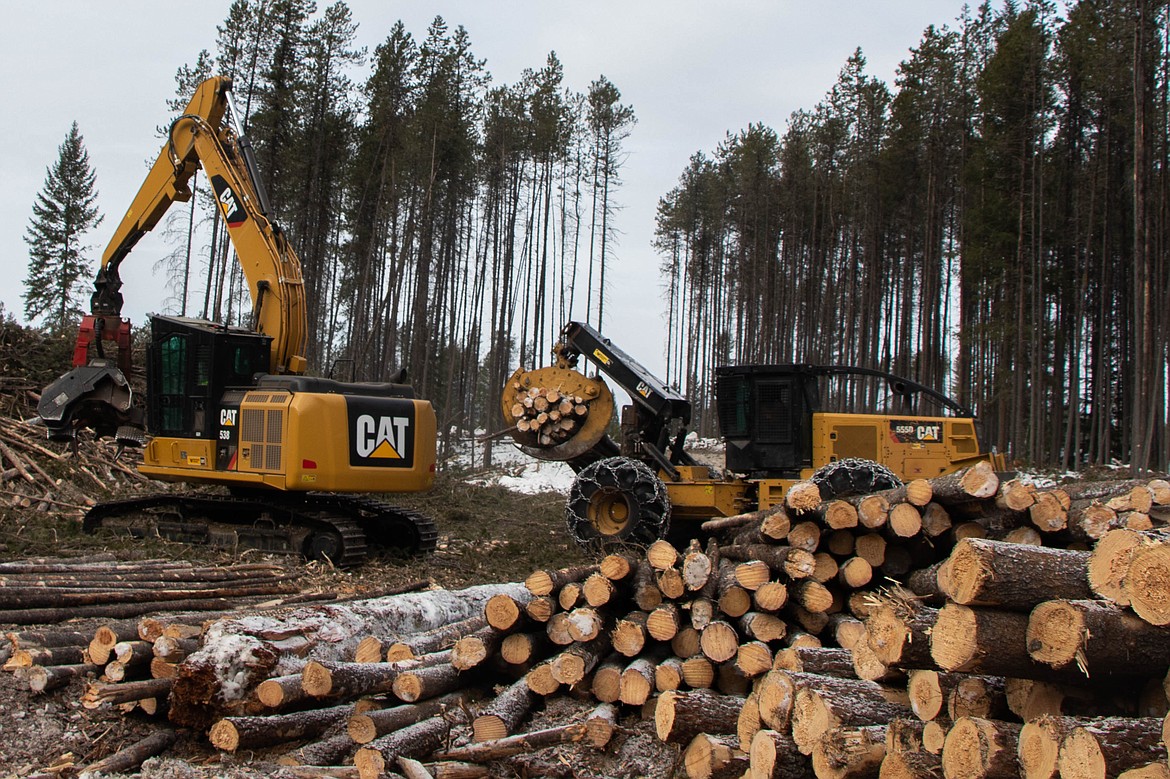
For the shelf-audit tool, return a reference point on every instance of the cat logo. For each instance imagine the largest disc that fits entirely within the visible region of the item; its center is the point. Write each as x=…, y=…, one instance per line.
x=381, y=432
x=911, y=431
x=233, y=212
x=381, y=438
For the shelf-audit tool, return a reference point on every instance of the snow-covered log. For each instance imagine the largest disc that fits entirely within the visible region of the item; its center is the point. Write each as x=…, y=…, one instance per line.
x=238, y=654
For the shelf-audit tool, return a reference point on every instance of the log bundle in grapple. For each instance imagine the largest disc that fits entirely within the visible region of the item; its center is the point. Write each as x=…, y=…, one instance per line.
x=991, y=638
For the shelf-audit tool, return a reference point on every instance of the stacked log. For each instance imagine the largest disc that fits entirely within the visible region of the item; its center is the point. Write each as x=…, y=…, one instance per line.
x=40, y=592
x=546, y=414
x=968, y=649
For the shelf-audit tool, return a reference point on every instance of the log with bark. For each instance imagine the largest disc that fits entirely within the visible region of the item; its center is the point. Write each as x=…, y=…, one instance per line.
x=905, y=757
x=1147, y=583
x=827, y=703
x=680, y=716
x=250, y=732
x=419, y=740
x=370, y=725
x=1107, y=747
x=773, y=755
x=1097, y=638
x=1014, y=576
x=850, y=753
x=976, y=747
x=712, y=757
x=238, y=654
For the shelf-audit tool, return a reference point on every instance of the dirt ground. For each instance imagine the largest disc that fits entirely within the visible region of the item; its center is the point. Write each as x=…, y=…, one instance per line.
x=487, y=535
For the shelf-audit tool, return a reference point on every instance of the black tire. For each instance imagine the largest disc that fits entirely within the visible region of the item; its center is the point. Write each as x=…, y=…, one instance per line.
x=854, y=477
x=617, y=502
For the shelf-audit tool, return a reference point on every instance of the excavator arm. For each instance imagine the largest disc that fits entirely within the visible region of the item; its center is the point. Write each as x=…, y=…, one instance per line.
x=96, y=394
x=200, y=137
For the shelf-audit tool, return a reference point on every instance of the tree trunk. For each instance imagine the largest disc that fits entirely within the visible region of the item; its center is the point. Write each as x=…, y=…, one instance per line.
x=128, y=759
x=369, y=725
x=979, y=482
x=826, y=704
x=1097, y=638
x=710, y=757
x=680, y=716
x=850, y=753
x=774, y=755
x=910, y=764
x=987, y=641
x=899, y=633
x=415, y=741
x=486, y=751
x=351, y=680
x=1014, y=576
x=1104, y=748
x=233, y=733
x=1147, y=584
x=506, y=711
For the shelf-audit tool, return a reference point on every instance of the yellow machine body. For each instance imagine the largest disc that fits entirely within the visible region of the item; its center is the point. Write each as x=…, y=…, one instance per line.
x=911, y=447
x=307, y=441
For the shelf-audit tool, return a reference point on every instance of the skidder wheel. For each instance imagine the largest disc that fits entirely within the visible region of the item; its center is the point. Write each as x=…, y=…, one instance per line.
x=854, y=477
x=617, y=501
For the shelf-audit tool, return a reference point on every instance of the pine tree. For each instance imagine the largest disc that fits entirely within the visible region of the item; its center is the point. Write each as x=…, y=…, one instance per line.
x=64, y=211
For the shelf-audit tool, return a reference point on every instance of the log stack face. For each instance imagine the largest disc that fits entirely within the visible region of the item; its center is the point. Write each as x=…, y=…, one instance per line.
x=917, y=632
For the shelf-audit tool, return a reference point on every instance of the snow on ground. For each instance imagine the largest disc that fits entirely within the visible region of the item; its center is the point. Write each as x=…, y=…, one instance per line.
x=514, y=470
x=532, y=477
x=511, y=468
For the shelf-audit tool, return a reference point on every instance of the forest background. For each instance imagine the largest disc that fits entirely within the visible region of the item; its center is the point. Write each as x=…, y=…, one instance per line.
x=993, y=222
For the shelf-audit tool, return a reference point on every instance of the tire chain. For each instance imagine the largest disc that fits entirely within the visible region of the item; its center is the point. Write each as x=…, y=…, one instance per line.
x=632, y=477
x=854, y=476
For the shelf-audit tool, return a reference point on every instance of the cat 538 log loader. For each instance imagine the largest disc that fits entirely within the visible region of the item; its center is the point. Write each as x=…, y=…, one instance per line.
x=771, y=422
x=231, y=406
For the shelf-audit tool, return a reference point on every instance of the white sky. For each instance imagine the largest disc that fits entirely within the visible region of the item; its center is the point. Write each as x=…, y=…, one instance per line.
x=692, y=71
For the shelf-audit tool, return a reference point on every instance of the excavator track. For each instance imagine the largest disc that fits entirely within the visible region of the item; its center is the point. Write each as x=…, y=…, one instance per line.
x=321, y=526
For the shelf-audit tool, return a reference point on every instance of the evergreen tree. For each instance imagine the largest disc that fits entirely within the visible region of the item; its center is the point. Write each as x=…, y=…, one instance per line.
x=64, y=211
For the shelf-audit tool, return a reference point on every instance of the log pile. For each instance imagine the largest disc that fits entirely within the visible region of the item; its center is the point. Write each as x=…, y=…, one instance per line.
x=48, y=591
x=548, y=415
x=956, y=626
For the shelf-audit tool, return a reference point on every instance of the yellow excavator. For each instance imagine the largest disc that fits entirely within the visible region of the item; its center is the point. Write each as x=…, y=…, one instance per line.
x=773, y=426
x=232, y=406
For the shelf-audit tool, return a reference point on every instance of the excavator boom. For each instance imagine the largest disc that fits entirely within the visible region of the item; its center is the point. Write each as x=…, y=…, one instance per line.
x=200, y=136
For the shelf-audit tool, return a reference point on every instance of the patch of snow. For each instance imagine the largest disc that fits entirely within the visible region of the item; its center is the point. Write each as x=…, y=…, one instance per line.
x=538, y=476
x=704, y=444
x=516, y=471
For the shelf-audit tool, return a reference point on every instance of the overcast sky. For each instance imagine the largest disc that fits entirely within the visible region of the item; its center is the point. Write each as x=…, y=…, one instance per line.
x=692, y=71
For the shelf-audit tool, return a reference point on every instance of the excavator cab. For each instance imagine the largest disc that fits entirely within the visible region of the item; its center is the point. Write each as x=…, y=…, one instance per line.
x=190, y=364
